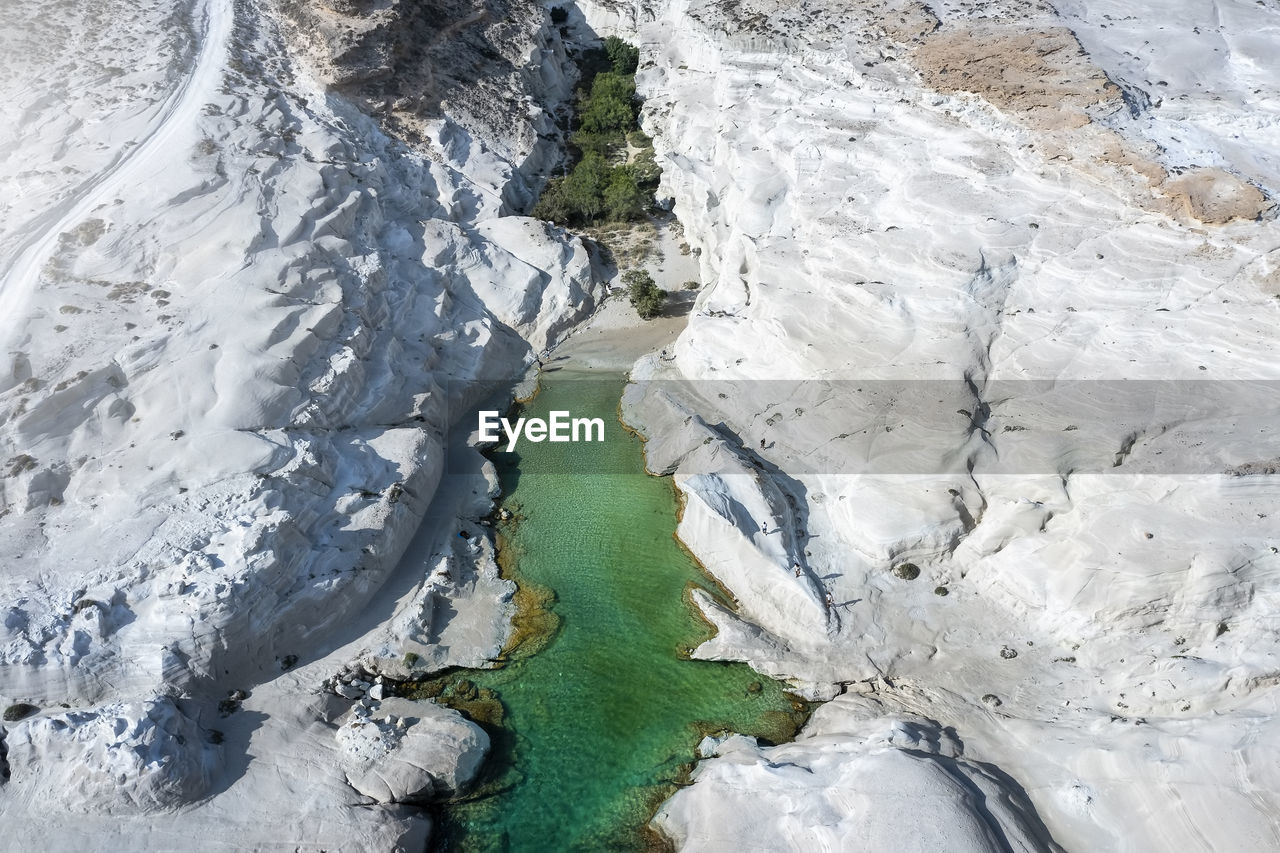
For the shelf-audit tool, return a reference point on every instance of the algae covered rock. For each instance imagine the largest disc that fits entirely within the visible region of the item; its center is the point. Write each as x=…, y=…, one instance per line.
x=18, y=711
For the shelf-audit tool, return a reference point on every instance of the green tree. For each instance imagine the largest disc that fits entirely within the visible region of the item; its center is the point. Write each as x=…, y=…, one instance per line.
x=606, y=121
x=623, y=198
x=646, y=297
x=585, y=187
x=610, y=108
x=595, y=143
x=553, y=205
x=624, y=57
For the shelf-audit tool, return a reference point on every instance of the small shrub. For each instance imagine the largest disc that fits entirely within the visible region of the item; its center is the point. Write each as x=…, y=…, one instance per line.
x=18, y=711
x=907, y=571
x=646, y=168
x=691, y=285
x=624, y=57
x=410, y=658
x=553, y=205
x=646, y=297
x=21, y=464
x=231, y=704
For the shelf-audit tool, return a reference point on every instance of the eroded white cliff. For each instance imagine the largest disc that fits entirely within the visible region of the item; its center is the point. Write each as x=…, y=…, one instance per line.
x=932, y=238
x=240, y=322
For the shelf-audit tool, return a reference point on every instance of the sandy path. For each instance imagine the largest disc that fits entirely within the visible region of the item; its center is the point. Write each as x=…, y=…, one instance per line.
x=142, y=160
x=615, y=337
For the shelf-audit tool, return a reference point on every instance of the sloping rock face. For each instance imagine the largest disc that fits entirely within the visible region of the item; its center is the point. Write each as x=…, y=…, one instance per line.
x=877, y=784
x=410, y=751
x=943, y=248
x=241, y=319
x=496, y=69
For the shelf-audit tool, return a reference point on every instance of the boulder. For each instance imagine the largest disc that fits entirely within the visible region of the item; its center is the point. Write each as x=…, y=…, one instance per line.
x=410, y=751
x=117, y=759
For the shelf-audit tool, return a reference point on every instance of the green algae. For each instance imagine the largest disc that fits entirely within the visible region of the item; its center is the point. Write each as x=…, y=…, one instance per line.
x=602, y=709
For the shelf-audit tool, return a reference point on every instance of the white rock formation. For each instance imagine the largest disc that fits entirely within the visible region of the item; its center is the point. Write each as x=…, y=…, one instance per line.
x=932, y=237
x=126, y=758
x=880, y=784
x=410, y=751
x=240, y=320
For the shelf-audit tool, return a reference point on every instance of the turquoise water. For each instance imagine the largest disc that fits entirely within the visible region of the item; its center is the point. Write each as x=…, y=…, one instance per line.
x=602, y=711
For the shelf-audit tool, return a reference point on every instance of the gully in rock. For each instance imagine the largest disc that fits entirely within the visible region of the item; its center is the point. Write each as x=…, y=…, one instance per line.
x=603, y=712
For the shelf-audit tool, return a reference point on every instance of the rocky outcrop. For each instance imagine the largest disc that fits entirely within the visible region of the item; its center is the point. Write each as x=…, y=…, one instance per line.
x=853, y=784
x=397, y=751
x=233, y=355
x=498, y=72
x=127, y=757
x=930, y=240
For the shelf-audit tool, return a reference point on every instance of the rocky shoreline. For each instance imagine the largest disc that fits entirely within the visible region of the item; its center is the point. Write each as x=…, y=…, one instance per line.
x=261, y=259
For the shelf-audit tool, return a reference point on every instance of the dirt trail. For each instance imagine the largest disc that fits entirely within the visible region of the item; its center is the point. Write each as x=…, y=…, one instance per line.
x=137, y=165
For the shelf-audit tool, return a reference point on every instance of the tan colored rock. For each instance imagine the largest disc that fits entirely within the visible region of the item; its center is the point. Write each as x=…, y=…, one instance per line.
x=1042, y=73
x=1215, y=197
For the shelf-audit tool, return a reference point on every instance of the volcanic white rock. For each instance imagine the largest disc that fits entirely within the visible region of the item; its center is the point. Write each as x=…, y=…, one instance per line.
x=934, y=239
x=409, y=751
x=243, y=307
x=258, y=260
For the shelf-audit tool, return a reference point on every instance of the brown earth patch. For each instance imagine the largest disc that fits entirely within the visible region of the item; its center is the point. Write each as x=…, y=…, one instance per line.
x=1214, y=196
x=1043, y=77
x=1040, y=73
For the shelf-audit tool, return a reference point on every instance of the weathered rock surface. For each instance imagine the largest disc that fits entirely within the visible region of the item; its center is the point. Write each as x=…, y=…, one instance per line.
x=405, y=751
x=127, y=757
x=241, y=319
x=936, y=242
x=875, y=784
x=497, y=71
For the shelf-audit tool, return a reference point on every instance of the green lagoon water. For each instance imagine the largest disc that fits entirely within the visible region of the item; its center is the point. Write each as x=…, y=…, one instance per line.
x=603, y=718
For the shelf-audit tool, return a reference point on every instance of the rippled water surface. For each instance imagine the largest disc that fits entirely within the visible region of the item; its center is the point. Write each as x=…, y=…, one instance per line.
x=603, y=719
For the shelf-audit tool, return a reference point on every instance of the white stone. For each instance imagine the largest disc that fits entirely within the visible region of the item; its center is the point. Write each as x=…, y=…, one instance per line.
x=123, y=758
x=428, y=753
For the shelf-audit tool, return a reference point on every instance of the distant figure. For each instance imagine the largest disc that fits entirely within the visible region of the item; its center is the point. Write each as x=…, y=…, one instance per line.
x=764, y=527
x=797, y=570
x=762, y=444
x=830, y=601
